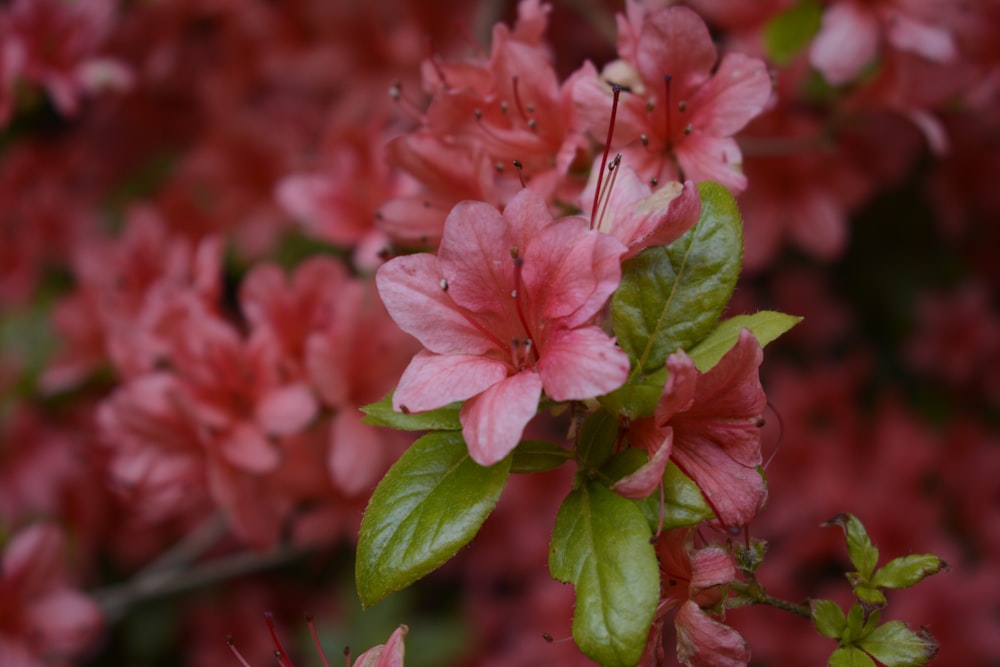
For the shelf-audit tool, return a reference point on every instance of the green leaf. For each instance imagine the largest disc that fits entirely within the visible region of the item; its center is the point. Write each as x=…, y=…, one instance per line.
x=850, y=656
x=828, y=618
x=906, y=571
x=765, y=325
x=860, y=622
x=863, y=554
x=623, y=463
x=636, y=398
x=538, y=456
x=671, y=297
x=597, y=439
x=382, y=414
x=600, y=544
x=791, y=31
x=895, y=645
x=870, y=596
x=683, y=502
x=431, y=503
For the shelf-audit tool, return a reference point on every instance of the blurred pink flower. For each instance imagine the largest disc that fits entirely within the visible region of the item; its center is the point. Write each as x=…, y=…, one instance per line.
x=42, y=616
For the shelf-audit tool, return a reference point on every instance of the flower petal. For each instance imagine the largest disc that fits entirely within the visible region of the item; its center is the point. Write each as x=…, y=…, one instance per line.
x=413, y=293
x=434, y=380
x=493, y=422
x=675, y=41
x=245, y=447
x=846, y=42
x=577, y=364
x=737, y=92
x=644, y=481
x=286, y=410
x=704, y=642
x=355, y=455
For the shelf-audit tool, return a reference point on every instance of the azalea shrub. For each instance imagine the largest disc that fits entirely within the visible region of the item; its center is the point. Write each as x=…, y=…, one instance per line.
x=499, y=333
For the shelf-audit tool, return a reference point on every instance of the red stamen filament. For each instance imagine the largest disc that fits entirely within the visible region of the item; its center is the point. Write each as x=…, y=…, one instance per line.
x=605, y=196
x=616, y=91
x=528, y=342
x=232, y=647
x=435, y=64
x=406, y=104
x=279, y=654
x=319, y=648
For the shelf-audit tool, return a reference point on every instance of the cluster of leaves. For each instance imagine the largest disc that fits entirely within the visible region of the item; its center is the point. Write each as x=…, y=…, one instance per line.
x=859, y=634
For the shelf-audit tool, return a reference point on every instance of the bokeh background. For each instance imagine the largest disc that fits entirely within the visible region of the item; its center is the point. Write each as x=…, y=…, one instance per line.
x=188, y=192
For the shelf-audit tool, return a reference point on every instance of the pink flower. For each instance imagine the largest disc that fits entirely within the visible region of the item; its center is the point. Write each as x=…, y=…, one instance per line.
x=709, y=425
x=678, y=119
x=692, y=582
x=41, y=616
x=851, y=32
x=504, y=311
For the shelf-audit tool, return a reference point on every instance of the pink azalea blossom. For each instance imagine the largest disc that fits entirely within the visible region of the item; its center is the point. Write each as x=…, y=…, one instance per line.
x=682, y=104
x=693, y=581
x=709, y=425
x=505, y=312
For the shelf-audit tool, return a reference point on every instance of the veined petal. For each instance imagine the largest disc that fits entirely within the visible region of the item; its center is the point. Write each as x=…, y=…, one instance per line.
x=493, y=422
x=644, y=481
x=675, y=41
x=704, y=642
x=475, y=258
x=414, y=295
x=736, y=492
x=736, y=93
x=707, y=158
x=570, y=272
x=711, y=566
x=435, y=380
x=582, y=363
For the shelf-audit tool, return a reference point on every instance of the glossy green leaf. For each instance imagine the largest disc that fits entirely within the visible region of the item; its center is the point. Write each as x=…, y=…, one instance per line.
x=597, y=439
x=382, y=414
x=623, y=463
x=430, y=504
x=538, y=456
x=636, y=398
x=600, y=544
x=791, y=31
x=895, y=645
x=766, y=326
x=850, y=656
x=906, y=571
x=828, y=618
x=863, y=554
x=683, y=502
x=671, y=297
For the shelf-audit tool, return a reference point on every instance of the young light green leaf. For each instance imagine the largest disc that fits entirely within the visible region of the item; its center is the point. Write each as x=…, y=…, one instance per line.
x=600, y=544
x=431, y=503
x=895, y=645
x=683, y=502
x=850, y=656
x=859, y=623
x=906, y=571
x=671, y=297
x=791, y=31
x=538, y=456
x=382, y=414
x=598, y=437
x=863, y=554
x=828, y=618
x=765, y=325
